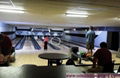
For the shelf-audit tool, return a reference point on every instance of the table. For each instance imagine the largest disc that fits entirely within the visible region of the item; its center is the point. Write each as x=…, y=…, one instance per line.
x=53, y=56
x=46, y=72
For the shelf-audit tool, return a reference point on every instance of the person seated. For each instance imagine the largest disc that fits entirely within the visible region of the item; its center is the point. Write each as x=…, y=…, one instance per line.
x=5, y=48
x=102, y=60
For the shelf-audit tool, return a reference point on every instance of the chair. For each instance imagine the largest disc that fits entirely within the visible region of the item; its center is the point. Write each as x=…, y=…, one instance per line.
x=74, y=51
x=70, y=62
x=57, y=62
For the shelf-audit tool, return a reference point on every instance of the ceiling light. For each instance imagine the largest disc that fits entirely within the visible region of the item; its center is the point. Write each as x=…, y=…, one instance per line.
x=4, y=2
x=117, y=18
x=11, y=7
x=73, y=15
x=77, y=12
x=11, y=11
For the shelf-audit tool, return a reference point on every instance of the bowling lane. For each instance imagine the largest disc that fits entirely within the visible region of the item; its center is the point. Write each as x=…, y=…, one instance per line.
x=41, y=43
x=73, y=45
x=15, y=41
x=65, y=45
x=27, y=47
x=28, y=44
x=63, y=49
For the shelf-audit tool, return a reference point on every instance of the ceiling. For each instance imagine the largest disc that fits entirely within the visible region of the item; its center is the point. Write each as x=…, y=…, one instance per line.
x=51, y=13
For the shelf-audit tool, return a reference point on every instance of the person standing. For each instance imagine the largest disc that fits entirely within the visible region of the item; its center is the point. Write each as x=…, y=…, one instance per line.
x=90, y=35
x=46, y=42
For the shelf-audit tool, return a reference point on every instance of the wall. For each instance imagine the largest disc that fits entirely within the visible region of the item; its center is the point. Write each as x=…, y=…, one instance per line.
x=6, y=28
x=113, y=40
x=10, y=30
x=80, y=38
x=102, y=37
x=75, y=36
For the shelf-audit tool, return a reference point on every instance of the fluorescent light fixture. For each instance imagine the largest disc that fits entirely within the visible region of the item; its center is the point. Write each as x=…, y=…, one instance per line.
x=11, y=7
x=12, y=11
x=77, y=12
x=117, y=18
x=73, y=15
x=4, y=2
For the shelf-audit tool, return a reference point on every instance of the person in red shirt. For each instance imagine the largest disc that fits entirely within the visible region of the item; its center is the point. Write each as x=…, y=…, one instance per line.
x=46, y=39
x=102, y=59
x=5, y=46
x=102, y=56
